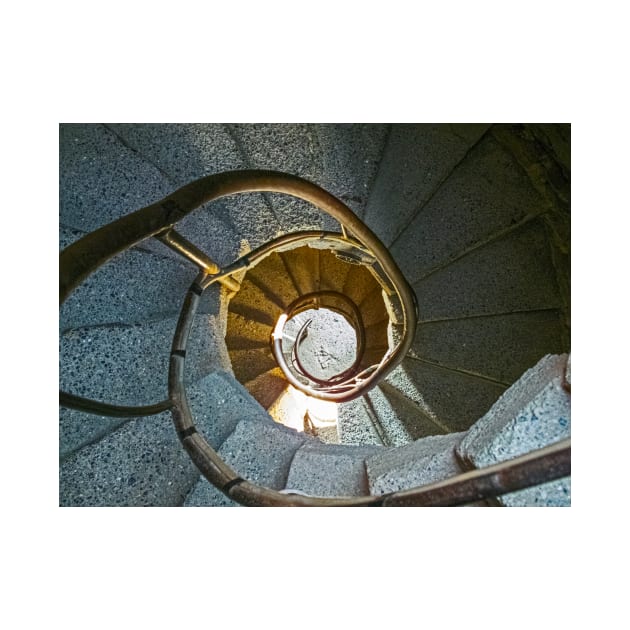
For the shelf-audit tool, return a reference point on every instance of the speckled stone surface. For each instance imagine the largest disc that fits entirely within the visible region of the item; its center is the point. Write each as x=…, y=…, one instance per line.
x=140, y=464
x=77, y=429
x=133, y=287
x=218, y=403
x=260, y=453
x=355, y=425
x=101, y=179
x=290, y=148
x=454, y=401
x=533, y=413
x=186, y=152
x=350, y=157
x=417, y=158
x=396, y=415
x=127, y=365
x=511, y=274
x=498, y=347
x=422, y=462
x=330, y=470
x=488, y=192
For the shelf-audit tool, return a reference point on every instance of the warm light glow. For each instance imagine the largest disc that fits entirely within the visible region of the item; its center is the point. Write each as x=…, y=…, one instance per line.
x=292, y=406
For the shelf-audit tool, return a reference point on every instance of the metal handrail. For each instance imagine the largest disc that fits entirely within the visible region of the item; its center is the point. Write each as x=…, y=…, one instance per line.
x=86, y=255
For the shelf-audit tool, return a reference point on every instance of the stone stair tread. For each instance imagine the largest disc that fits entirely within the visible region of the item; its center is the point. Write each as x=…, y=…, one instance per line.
x=260, y=453
x=189, y=151
x=356, y=426
x=271, y=274
x=218, y=403
x=248, y=364
x=468, y=208
x=513, y=273
x=533, y=413
x=267, y=387
x=142, y=463
x=424, y=461
x=303, y=264
x=127, y=365
x=246, y=330
x=500, y=347
x=453, y=400
x=252, y=302
x=397, y=415
x=432, y=150
x=330, y=470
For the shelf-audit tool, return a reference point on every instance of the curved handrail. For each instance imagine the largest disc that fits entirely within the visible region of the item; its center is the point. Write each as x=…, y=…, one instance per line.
x=87, y=254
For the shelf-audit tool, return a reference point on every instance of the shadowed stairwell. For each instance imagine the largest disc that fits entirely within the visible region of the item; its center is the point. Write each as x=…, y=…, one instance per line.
x=473, y=340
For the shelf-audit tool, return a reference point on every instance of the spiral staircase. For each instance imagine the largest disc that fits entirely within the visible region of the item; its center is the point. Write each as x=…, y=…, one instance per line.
x=476, y=219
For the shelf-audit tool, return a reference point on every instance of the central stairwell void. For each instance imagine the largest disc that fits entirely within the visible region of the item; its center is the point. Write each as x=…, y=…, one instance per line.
x=310, y=352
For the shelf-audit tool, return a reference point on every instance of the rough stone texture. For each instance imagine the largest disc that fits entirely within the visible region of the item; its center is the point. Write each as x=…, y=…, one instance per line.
x=425, y=461
x=290, y=148
x=129, y=364
x=140, y=464
x=332, y=271
x=273, y=275
x=567, y=374
x=303, y=266
x=500, y=347
x=244, y=334
x=77, y=429
x=248, y=364
x=350, y=155
x=454, y=401
x=330, y=470
x=512, y=274
x=266, y=387
x=397, y=416
x=417, y=158
x=533, y=413
x=186, y=152
x=486, y=194
x=131, y=288
x=218, y=403
x=253, y=303
x=355, y=424
x=101, y=179
x=260, y=453
x=330, y=344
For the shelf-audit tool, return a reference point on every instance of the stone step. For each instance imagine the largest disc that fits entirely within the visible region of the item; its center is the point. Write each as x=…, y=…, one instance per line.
x=260, y=453
x=400, y=420
x=272, y=276
x=186, y=152
x=487, y=193
x=267, y=387
x=357, y=424
x=252, y=303
x=498, y=347
x=127, y=365
x=303, y=266
x=424, y=461
x=327, y=470
x=533, y=413
x=514, y=273
x=417, y=159
x=141, y=464
x=144, y=463
x=243, y=333
x=453, y=401
x=249, y=364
